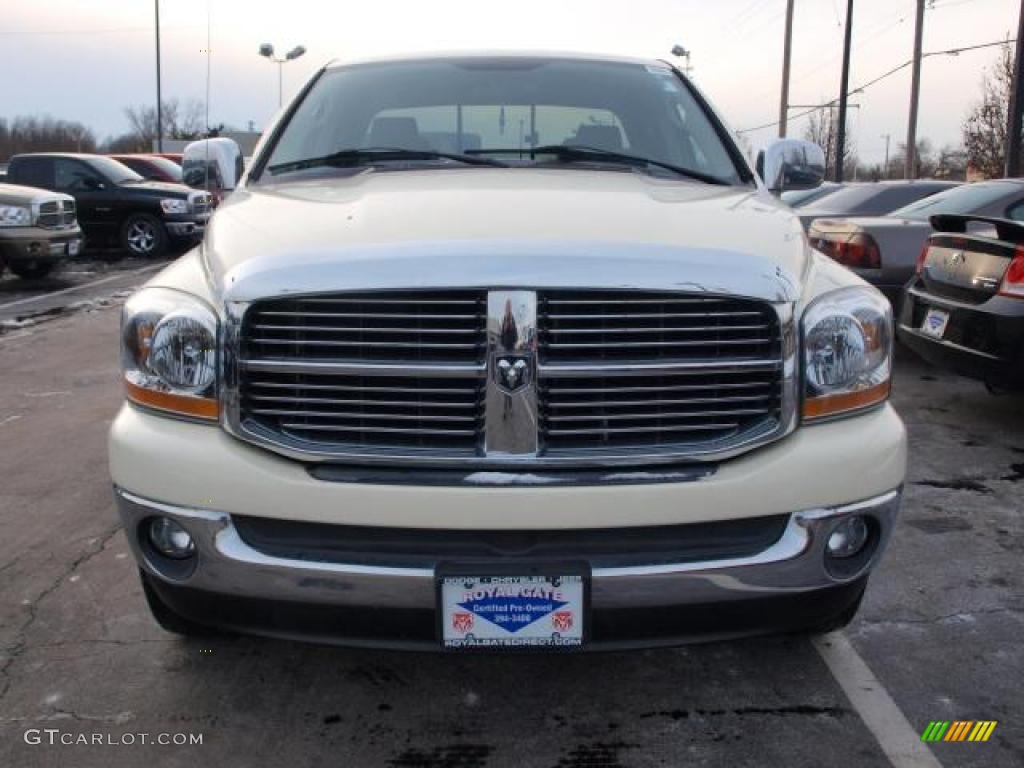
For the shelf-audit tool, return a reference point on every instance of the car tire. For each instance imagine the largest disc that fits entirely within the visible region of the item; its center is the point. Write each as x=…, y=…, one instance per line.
x=170, y=620
x=32, y=270
x=842, y=618
x=143, y=235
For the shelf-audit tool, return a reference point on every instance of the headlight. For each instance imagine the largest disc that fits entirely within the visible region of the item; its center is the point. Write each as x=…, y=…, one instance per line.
x=15, y=216
x=173, y=205
x=847, y=352
x=169, y=352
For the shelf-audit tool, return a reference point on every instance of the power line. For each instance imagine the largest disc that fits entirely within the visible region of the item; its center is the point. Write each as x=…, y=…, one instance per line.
x=894, y=70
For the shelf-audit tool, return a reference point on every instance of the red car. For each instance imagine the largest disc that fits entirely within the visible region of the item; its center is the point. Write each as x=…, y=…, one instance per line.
x=152, y=167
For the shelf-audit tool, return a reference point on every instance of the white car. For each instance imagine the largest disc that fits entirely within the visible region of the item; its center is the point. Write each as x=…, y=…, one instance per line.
x=501, y=351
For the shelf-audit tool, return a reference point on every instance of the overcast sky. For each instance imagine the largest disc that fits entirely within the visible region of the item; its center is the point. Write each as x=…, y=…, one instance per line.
x=87, y=60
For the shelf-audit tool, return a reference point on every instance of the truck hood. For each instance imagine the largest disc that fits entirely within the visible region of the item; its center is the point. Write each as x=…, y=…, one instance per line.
x=490, y=227
x=159, y=188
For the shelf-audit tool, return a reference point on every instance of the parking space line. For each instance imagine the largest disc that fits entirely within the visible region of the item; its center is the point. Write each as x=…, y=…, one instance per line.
x=890, y=727
x=71, y=289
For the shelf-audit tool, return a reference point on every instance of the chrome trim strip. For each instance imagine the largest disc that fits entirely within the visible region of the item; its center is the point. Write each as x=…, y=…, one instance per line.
x=578, y=370
x=440, y=370
x=510, y=423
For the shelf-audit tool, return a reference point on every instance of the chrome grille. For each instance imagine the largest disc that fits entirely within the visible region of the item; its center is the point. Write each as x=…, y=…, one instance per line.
x=627, y=369
x=620, y=376
x=56, y=214
x=345, y=372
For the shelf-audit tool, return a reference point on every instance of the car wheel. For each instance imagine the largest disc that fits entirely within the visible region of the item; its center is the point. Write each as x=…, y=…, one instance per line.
x=33, y=270
x=169, y=619
x=143, y=235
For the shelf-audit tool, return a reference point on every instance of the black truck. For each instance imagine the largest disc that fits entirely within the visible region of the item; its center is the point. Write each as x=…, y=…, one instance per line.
x=116, y=206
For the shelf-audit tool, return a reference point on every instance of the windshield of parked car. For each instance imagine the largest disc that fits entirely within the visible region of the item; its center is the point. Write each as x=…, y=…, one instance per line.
x=966, y=199
x=113, y=170
x=798, y=198
x=872, y=199
x=506, y=106
x=170, y=168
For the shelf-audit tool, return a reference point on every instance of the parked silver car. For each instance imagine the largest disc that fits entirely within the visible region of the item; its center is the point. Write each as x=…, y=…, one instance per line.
x=870, y=199
x=884, y=249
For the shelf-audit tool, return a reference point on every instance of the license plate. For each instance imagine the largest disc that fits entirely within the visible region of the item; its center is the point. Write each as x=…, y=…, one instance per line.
x=935, y=322
x=73, y=247
x=534, y=611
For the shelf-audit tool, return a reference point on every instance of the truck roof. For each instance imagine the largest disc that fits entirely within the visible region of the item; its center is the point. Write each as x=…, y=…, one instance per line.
x=456, y=55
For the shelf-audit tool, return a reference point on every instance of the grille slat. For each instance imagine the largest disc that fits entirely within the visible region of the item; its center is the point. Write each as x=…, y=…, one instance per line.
x=710, y=427
x=684, y=329
x=363, y=343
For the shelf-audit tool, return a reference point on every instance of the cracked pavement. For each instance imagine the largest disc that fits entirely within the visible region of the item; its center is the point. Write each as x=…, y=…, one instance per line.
x=940, y=627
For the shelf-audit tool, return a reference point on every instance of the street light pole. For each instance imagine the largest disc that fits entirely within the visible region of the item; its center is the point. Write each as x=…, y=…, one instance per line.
x=267, y=51
x=844, y=88
x=1015, y=109
x=786, y=49
x=910, y=166
x=159, y=107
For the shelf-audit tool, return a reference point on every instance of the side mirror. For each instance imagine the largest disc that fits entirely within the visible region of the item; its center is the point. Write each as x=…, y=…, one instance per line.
x=791, y=164
x=93, y=184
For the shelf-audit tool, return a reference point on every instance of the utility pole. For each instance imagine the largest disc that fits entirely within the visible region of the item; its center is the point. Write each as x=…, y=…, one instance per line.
x=888, y=137
x=844, y=87
x=1016, y=107
x=159, y=106
x=786, y=49
x=910, y=169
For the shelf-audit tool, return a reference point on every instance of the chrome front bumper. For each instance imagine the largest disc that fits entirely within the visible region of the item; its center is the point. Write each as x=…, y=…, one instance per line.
x=226, y=565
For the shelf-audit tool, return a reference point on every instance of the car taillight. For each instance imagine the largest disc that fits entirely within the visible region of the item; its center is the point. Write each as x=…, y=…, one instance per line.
x=921, y=259
x=857, y=250
x=1013, y=280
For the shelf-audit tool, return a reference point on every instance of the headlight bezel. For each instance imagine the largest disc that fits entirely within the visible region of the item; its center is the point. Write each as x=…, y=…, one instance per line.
x=866, y=311
x=148, y=374
x=174, y=206
x=8, y=212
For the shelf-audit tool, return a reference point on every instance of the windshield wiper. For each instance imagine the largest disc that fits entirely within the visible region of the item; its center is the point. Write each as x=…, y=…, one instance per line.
x=570, y=152
x=369, y=155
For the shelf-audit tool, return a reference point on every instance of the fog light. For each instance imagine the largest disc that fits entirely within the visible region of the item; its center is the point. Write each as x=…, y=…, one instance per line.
x=848, y=537
x=170, y=539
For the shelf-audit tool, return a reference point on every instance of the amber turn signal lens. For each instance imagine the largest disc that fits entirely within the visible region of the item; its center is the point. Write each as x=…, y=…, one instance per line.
x=185, y=405
x=829, y=405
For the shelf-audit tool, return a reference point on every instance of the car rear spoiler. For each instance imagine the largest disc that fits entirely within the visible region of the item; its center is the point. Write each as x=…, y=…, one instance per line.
x=1006, y=230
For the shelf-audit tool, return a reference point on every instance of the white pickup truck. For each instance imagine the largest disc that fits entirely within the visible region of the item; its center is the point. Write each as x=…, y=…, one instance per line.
x=507, y=351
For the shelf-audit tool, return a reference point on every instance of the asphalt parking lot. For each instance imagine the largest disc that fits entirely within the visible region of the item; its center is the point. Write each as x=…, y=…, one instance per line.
x=939, y=636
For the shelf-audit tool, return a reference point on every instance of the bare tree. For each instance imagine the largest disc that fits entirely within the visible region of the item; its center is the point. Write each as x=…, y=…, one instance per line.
x=984, y=128
x=180, y=121
x=823, y=129
x=44, y=134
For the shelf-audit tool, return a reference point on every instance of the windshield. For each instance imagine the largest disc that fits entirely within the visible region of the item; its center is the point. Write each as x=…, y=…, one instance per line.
x=966, y=199
x=113, y=170
x=473, y=105
x=169, y=167
x=797, y=198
